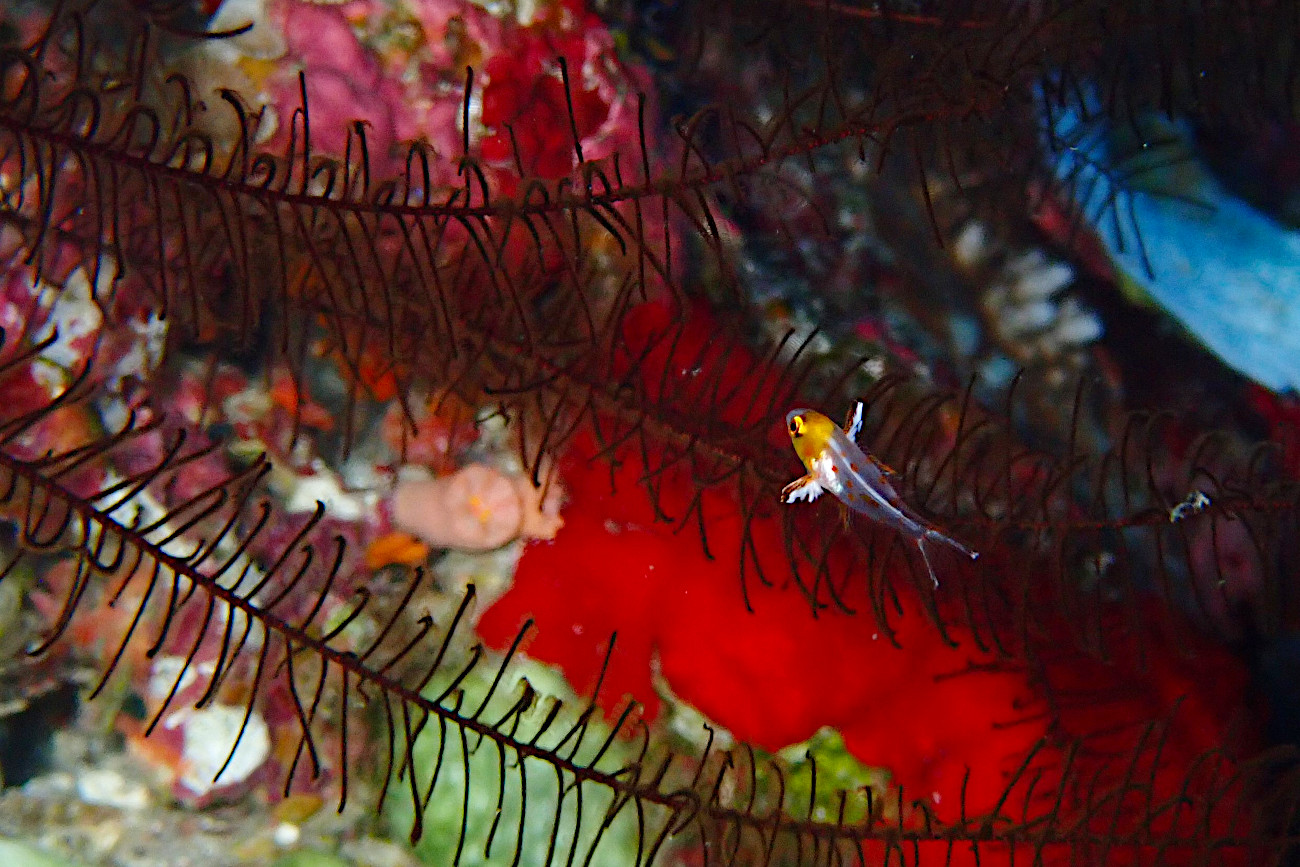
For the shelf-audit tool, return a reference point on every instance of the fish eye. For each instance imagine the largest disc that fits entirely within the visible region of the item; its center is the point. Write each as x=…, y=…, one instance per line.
x=796, y=425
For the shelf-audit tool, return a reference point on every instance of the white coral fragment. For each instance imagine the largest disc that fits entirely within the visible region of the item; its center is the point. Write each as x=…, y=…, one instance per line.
x=1027, y=303
x=209, y=735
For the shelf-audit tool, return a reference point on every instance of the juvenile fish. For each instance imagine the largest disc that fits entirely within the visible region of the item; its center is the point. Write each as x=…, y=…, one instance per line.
x=837, y=464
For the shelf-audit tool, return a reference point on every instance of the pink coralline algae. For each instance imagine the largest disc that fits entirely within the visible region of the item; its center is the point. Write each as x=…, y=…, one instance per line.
x=401, y=69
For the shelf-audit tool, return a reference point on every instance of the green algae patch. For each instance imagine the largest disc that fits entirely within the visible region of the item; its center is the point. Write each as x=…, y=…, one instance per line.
x=513, y=803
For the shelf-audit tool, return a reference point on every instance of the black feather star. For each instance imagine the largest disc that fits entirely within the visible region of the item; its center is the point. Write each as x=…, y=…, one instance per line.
x=514, y=295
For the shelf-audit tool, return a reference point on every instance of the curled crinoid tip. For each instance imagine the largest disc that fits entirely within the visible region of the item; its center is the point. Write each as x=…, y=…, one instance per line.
x=476, y=508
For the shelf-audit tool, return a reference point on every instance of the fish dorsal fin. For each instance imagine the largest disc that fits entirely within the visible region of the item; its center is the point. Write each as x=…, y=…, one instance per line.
x=853, y=421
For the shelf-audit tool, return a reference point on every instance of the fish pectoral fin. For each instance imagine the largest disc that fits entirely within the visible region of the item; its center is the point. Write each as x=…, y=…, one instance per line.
x=806, y=488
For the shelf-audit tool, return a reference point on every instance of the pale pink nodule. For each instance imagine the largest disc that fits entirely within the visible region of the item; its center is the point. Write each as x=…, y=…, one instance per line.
x=476, y=508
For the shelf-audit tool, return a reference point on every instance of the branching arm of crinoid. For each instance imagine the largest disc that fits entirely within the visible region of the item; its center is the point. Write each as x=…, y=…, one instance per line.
x=196, y=588
x=227, y=234
x=109, y=159
x=393, y=269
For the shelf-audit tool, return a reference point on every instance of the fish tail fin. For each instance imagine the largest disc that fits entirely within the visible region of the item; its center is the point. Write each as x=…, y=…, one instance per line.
x=931, y=533
x=920, y=545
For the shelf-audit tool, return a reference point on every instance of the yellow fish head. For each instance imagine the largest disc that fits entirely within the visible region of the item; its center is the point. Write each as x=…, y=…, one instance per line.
x=810, y=432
